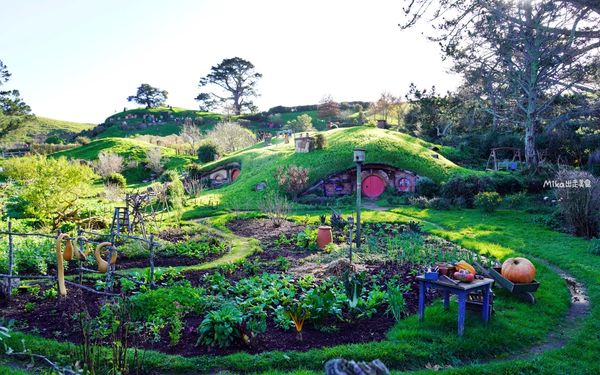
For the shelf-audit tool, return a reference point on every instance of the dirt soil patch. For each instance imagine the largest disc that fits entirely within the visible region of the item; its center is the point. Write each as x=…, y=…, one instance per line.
x=53, y=318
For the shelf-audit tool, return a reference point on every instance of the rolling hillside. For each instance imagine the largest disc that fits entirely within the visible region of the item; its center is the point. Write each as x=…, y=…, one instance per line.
x=42, y=128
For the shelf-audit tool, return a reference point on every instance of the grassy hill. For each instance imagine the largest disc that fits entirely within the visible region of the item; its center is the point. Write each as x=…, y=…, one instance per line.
x=171, y=124
x=43, y=127
x=382, y=146
x=132, y=151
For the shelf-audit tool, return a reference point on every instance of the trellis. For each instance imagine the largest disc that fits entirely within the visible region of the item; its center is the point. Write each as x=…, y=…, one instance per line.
x=80, y=240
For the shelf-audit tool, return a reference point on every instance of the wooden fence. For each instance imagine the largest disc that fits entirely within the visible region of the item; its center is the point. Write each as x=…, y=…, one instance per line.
x=111, y=273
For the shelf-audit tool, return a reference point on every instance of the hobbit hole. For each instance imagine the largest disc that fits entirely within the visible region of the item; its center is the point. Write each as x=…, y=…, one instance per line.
x=376, y=178
x=222, y=175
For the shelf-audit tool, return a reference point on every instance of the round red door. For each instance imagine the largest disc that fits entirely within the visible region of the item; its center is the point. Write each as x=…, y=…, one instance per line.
x=373, y=186
x=234, y=174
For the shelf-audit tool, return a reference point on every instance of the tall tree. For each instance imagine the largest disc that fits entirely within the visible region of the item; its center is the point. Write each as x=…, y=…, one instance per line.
x=235, y=81
x=328, y=107
x=149, y=96
x=524, y=56
x=13, y=110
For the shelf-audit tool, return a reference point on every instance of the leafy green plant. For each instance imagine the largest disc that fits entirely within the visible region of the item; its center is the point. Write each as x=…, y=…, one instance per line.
x=396, y=301
x=221, y=327
x=283, y=263
x=595, y=246
x=420, y=202
x=440, y=204
x=117, y=179
x=516, y=200
x=414, y=227
x=298, y=312
x=353, y=285
x=488, y=201
x=307, y=239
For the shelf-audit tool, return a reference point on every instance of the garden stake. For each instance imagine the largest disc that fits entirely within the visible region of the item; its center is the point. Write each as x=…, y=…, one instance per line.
x=60, y=267
x=151, y=260
x=10, y=261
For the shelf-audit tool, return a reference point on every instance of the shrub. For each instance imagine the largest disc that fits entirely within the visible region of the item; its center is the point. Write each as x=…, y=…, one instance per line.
x=516, y=200
x=221, y=327
x=108, y=163
x=579, y=205
x=207, y=152
x=54, y=140
x=440, y=204
x=277, y=208
x=300, y=124
x=507, y=183
x=293, y=180
x=466, y=187
x=230, y=137
x=427, y=187
x=82, y=140
x=421, y=202
x=488, y=201
x=50, y=189
x=595, y=246
x=320, y=141
x=116, y=179
x=154, y=160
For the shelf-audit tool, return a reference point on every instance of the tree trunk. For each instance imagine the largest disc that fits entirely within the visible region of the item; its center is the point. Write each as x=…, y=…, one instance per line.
x=532, y=54
x=531, y=156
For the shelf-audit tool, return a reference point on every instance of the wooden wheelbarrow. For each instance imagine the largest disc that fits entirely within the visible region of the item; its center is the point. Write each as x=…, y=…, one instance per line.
x=524, y=291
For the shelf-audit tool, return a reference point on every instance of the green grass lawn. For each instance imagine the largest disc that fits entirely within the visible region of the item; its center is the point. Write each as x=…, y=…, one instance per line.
x=411, y=345
x=42, y=126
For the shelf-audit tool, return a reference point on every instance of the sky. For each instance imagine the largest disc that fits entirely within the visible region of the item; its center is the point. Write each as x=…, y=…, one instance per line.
x=80, y=60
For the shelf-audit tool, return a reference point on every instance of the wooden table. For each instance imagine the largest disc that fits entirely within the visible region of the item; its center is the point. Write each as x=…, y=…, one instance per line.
x=461, y=290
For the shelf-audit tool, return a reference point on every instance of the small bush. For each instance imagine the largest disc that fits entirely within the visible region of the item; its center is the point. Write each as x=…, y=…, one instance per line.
x=466, y=187
x=320, y=141
x=580, y=205
x=109, y=163
x=440, y=204
x=595, y=246
x=207, y=152
x=488, y=201
x=154, y=160
x=54, y=140
x=292, y=180
x=516, y=200
x=507, y=183
x=427, y=187
x=277, y=208
x=116, y=179
x=221, y=327
x=82, y=140
x=421, y=202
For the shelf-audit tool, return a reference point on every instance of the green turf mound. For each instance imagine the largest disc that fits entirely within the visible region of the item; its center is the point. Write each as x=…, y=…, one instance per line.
x=382, y=146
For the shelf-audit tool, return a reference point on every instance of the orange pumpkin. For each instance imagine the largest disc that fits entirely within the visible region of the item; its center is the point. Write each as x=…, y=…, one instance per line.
x=518, y=270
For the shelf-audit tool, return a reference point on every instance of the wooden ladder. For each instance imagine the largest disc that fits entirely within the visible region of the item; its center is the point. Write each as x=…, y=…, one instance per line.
x=120, y=221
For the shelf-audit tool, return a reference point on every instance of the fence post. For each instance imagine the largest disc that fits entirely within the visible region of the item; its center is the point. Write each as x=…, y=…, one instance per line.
x=10, y=261
x=151, y=261
x=81, y=251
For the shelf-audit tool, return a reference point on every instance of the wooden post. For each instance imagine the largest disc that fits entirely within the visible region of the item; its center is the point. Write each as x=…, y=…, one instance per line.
x=81, y=251
x=109, y=270
x=151, y=248
x=358, y=203
x=10, y=261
